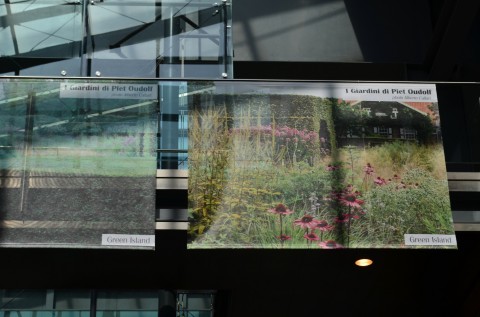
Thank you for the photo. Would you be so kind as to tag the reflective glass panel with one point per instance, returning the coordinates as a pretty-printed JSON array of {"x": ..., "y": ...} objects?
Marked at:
[
  {"x": 150, "y": 38},
  {"x": 127, "y": 304},
  {"x": 160, "y": 39},
  {"x": 51, "y": 28},
  {"x": 24, "y": 299},
  {"x": 104, "y": 303},
  {"x": 41, "y": 37},
  {"x": 78, "y": 163}
]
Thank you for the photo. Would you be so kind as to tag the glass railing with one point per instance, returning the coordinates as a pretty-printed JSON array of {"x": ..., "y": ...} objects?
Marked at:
[
  {"x": 78, "y": 168},
  {"x": 155, "y": 39},
  {"x": 457, "y": 104},
  {"x": 78, "y": 157}
]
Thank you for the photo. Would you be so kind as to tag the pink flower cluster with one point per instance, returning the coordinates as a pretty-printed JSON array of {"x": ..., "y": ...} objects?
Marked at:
[
  {"x": 380, "y": 181},
  {"x": 347, "y": 197},
  {"x": 310, "y": 224},
  {"x": 396, "y": 179},
  {"x": 368, "y": 169},
  {"x": 292, "y": 134},
  {"x": 284, "y": 133},
  {"x": 331, "y": 167},
  {"x": 280, "y": 209},
  {"x": 307, "y": 222}
]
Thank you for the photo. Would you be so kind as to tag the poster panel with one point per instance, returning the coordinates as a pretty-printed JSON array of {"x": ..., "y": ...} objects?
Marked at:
[
  {"x": 77, "y": 168},
  {"x": 317, "y": 166}
]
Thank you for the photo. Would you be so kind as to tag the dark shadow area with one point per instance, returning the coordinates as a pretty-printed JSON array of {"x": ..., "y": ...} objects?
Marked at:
[
  {"x": 391, "y": 32},
  {"x": 460, "y": 120},
  {"x": 318, "y": 71},
  {"x": 267, "y": 282}
]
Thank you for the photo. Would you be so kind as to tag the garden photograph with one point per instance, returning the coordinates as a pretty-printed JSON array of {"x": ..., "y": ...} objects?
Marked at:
[{"x": 297, "y": 171}]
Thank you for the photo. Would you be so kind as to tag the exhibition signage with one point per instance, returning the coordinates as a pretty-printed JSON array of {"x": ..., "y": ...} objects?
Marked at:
[
  {"x": 97, "y": 90},
  {"x": 317, "y": 166},
  {"x": 281, "y": 165},
  {"x": 78, "y": 163}
]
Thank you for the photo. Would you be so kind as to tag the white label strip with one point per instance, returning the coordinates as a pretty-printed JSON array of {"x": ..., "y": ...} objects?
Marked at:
[
  {"x": 108, "y": 91},
  {"x": 133, "y": 240},
  {"x": 430, "y": 239}
]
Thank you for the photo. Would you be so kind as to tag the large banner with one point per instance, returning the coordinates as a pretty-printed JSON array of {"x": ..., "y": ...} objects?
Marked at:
[
  {"x": 317, "y": 166},
  {"x": 77, "y": 163}
]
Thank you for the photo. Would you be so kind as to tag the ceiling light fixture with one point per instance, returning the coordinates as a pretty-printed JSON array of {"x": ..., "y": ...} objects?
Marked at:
[{"x": 363, "y": 262}]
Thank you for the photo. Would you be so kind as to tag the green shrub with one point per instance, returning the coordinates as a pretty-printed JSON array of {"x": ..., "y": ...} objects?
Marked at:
[{"x": 417, "y": 204}]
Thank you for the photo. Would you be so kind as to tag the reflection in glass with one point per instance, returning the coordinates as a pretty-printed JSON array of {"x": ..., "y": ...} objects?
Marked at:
[
  {"x": 41, "y": 28},
  {"x": 117, "y": 38},
  {"x": 76, "y": 168},
  {"x": 105, "y": 303}
]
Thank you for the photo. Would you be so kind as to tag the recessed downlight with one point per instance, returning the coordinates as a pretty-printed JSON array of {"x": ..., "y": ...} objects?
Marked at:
[{"x": 363, "y": 262}]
